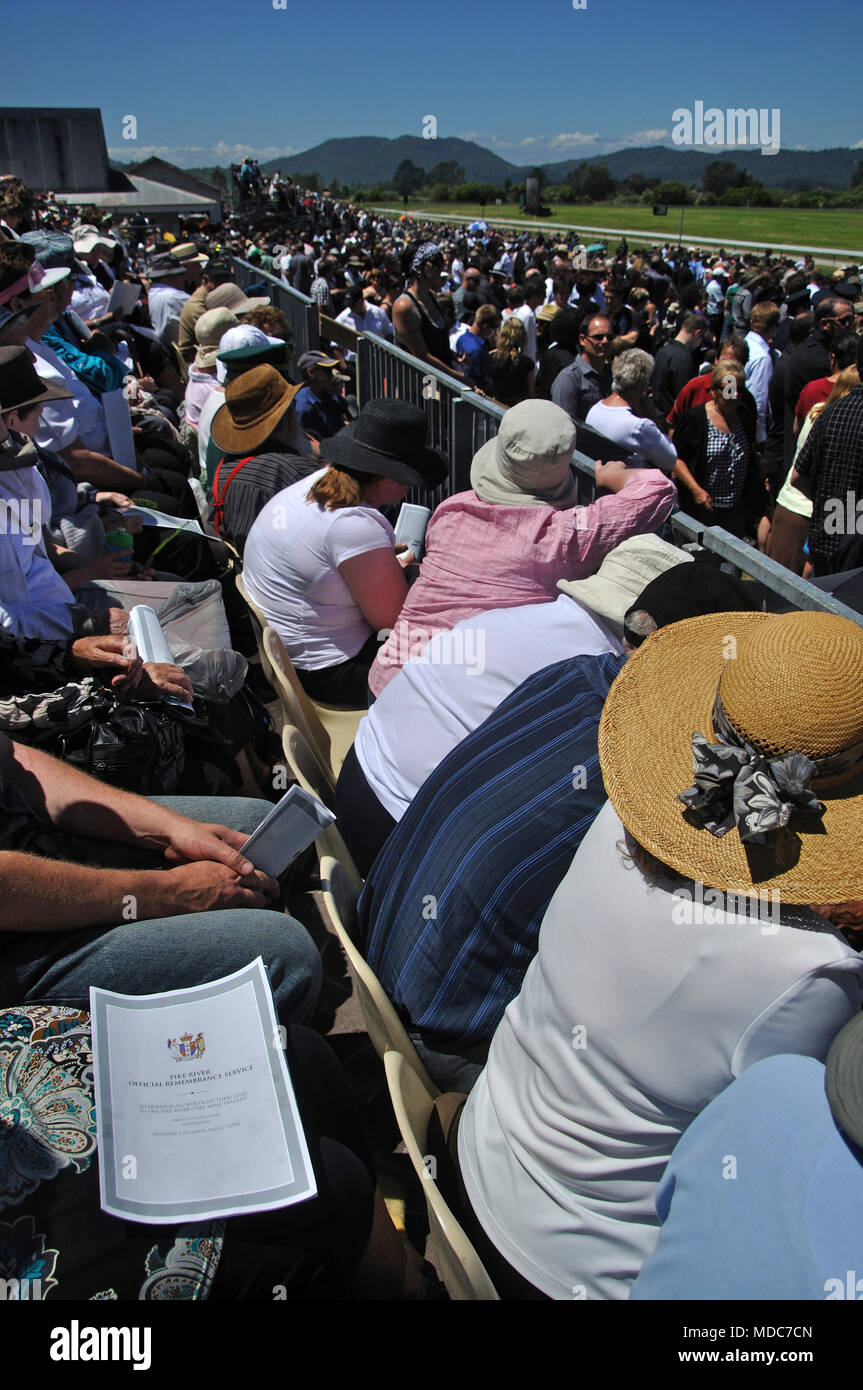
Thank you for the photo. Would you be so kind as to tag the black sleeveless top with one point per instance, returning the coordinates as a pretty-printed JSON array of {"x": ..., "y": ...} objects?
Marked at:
[{"x": 435, "y": 336}]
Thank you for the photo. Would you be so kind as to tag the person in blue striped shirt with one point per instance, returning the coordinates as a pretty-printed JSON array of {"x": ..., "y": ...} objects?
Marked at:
[{"x": 450, "y": 914}]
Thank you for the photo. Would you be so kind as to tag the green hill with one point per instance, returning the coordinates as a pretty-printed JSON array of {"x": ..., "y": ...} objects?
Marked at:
[
  {"x": 369, "y": 159},
  {"x": 795, "y": 170},
  {"x": 364, "y": 160}
]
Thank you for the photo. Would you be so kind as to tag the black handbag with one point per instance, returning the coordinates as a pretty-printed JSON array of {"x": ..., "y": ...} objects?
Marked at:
[
  {"x": 135, "y": 746},
  {"x": 153, "y": 748}
]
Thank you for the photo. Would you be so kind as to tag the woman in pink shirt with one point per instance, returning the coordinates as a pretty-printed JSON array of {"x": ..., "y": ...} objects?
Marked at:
[{"x": 519, "y": 530}]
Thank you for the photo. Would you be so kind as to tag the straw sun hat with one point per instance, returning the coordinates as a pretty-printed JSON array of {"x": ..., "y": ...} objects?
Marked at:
[{"x": 790, "y": 684}]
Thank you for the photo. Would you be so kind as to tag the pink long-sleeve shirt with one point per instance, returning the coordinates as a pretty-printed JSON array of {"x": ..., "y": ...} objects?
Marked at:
[{"x": 481, "y": 555}]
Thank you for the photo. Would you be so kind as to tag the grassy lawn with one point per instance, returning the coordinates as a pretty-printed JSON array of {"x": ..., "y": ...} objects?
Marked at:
[{"x": 840, "y": 227}]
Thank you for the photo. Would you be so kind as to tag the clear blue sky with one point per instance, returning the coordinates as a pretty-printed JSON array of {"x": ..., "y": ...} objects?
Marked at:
[{"x": 534, "y": 80}]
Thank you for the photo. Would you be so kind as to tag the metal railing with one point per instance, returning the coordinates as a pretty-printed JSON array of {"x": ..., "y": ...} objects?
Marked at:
[
  {"x": 300, "y": 311},
  {"x": 460, "y": 422},
  {"x": 779, "y": 583}
]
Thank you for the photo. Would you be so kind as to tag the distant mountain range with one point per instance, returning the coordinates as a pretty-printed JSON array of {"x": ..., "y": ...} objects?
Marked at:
[
  {"x": 368, "y": 159},
  {"x": 365, "y": 160}
]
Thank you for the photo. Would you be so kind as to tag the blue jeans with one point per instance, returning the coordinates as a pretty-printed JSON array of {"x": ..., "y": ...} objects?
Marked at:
[{"x": 169, "y": 952}]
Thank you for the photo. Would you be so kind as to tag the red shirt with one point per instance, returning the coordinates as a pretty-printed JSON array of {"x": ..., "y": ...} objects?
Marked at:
[
  {"x": 695, "y": 392},
  {"x": 813, "y": 392}
]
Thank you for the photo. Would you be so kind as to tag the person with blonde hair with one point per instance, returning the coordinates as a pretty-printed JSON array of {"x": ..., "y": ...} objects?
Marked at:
[
  {"x": 719, "y": 482},
  {"x": 513, "y": 375},
  {"x": 793, "y": 511}
]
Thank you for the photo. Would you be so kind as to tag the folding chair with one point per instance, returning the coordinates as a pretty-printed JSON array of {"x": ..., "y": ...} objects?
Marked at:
[
  {"x": 259, "y": 622},
  {"x": 180, "y": 363},
  {"x": 460, "y": 1267},
  {"x": 329, "y": 729},
  {"x": 383, "y": 1024}
]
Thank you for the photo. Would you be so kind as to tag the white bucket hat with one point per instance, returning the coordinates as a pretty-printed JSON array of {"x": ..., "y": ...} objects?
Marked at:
[
  {"x": 528, "y": 463},
  {"x": 621, "y": 578},
  {"x": 243, "y": 336}
]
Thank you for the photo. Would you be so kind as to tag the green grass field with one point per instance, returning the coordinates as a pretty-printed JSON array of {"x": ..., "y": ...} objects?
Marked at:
[{"x": 778, "y": 227}]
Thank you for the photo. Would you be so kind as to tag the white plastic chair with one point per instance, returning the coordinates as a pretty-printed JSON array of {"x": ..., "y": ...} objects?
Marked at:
[{"x": 460, "y": 1267}]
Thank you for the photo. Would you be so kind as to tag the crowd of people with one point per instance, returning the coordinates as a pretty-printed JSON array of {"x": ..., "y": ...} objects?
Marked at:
[{"x": 603, "y": 805}]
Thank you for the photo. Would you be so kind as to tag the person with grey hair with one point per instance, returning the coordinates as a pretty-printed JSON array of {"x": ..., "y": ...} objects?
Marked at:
[{"x": 622, "y": 415}]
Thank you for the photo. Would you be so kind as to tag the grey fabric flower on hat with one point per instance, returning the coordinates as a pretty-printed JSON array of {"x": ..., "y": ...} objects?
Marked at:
[{"x": 735, "y": 786}]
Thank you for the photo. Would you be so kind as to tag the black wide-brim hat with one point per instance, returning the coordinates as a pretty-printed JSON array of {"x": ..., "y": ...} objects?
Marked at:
[
  {"x": 20, "y": 383},
  {"x": 388, "y": 440}
]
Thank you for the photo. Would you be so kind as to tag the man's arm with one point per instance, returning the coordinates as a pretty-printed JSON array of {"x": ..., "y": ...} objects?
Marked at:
[
  {"x": 808, "y": 462},
  {"x": 81, "y": 805},
  {"x": 52, "y": 895},
  {"x": 101, "y": 471},
  {"x": 566, "y": 392}
]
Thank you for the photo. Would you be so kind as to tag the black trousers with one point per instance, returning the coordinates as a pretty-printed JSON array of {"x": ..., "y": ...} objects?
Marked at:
[
  {"x": 345, "y": 684},
  {"x": 364, "y": 823},
  {"x": 309, "y": 1250}
]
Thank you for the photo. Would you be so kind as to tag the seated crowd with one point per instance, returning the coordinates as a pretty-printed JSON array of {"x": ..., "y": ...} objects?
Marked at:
[{"x": 605, "y": 808}]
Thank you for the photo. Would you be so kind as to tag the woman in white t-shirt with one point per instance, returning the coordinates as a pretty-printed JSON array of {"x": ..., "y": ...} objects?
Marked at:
[
  {"x": 320, "y": 561},
  {"x": 672, "y": 956},
  {"x": 621, "y": 415}
]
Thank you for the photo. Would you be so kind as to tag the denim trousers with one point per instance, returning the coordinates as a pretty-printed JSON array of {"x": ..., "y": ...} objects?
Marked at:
[{"x": 166, "y": 953}]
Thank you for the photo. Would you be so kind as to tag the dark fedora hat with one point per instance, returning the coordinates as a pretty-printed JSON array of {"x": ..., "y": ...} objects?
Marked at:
[
  {"x": 165, "y": 266},
  {"x": 20, "y": 383},
  {"x": 388, "y": 440}
]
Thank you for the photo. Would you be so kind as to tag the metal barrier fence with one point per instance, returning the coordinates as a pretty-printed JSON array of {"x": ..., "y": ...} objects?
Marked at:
[
  {"x": 460, "y": 422},
  {"x": 300, "y": 311}
]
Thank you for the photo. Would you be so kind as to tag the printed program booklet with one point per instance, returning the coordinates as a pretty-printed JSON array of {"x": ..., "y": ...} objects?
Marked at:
[
  {"x": 144, "y": 631},
  {"x": 195, "y": 1109},
  {"x": 411, "y": 526},
  {"x": 294, "y": 822}
]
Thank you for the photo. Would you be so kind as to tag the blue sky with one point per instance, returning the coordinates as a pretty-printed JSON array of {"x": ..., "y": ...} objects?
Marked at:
[{"x": 535, "y": 80}]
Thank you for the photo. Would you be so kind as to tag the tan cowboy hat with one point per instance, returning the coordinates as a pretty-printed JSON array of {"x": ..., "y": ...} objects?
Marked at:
[
  {"x": 254, "y": 405},
  {"x": 528, "y": 463},
  {"x": 779, "y": 684}
]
